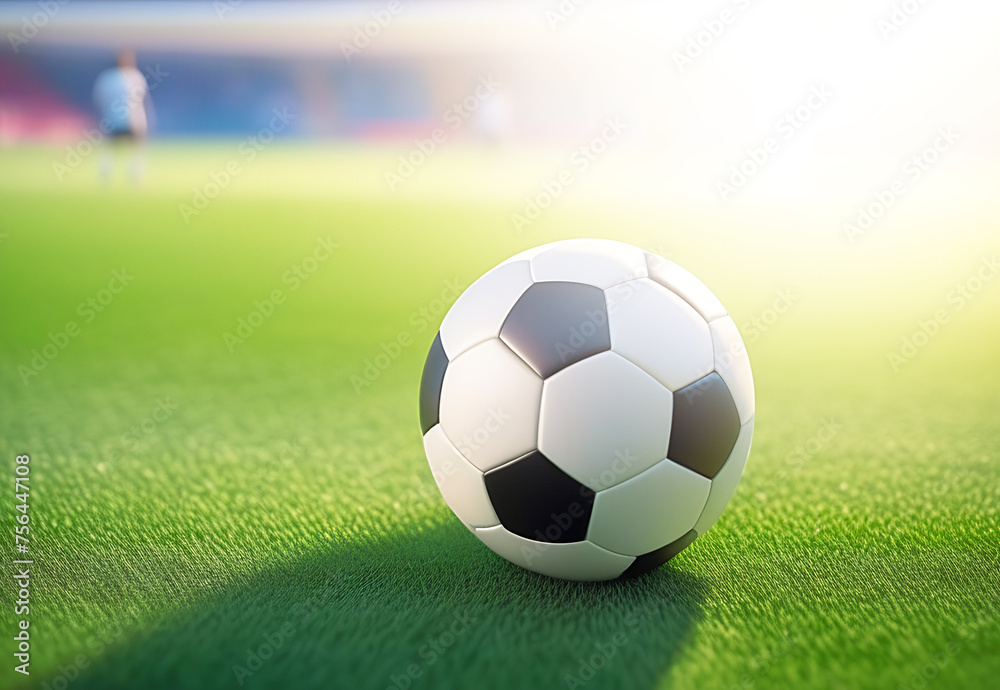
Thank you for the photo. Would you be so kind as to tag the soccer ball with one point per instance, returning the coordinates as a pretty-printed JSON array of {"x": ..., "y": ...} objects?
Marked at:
[{"x": 587, "y": 409}]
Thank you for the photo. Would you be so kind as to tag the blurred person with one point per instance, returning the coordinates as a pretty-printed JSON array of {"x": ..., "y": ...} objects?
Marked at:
[
  {"x": 494, "y": 117},
  {"x": 122, "y": 98}
]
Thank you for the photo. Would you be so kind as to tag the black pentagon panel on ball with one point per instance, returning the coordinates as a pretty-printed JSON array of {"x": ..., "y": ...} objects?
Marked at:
[
  {"x": 557, "y": 324},
  {"x": 654, "y": 559},
  {"x": 536, "y": 500},
  {"x": 430, "y": 385},
  {"x": 705, "y": 426}
]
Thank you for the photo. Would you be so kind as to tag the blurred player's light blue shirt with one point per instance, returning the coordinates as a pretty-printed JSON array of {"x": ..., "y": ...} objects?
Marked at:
[{"x": 120, "y": 95}]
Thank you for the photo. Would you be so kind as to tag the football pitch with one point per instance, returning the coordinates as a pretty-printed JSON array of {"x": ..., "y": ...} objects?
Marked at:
[{"x": 228, "y": 486}]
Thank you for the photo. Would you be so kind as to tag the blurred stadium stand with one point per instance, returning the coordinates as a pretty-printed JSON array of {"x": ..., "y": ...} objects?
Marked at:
[{"x": 228, "y": 64}]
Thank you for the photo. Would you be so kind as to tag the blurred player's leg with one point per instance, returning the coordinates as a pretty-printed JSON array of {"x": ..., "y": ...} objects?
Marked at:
[
  {"x": 137, "y": 162},
  {"x": 106, "y": 165}
]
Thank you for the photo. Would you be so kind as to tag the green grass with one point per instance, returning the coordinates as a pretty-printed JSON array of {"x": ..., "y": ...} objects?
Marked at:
[{"x": 276, "y": 496}]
